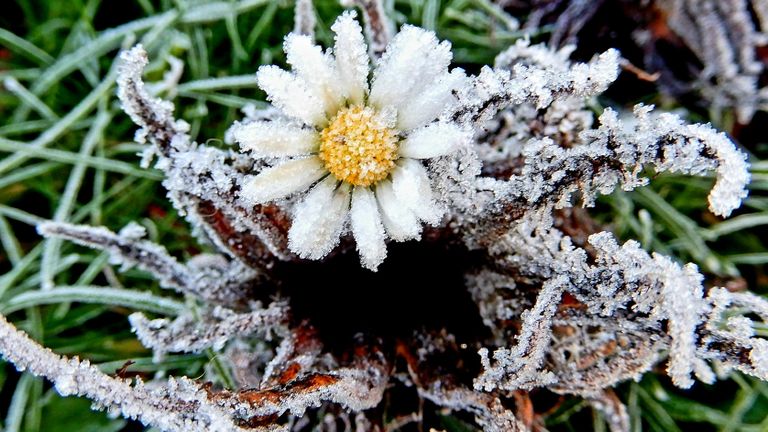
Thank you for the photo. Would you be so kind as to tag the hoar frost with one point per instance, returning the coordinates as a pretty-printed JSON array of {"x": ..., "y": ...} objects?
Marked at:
[{"x": 491, "y": 162}]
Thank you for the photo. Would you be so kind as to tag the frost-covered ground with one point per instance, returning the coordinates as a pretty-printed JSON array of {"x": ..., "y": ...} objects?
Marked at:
[{"x": 397, "y": 216}]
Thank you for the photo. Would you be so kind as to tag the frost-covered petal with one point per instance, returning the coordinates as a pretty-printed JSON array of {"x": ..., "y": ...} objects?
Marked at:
[
  {"x": 284, "y": 179},
  {"x": 315, "y": 68},
  {"x": 436, "y": 139},
  {"x": 291, "y": 94},
  {"x": 351, "y": 57},
  {"x": 275, "y": 139},
  {"x": 400, "y": 222},
  {"x": 413, "y": 60},
  {"x": 410, "y": 182},
  {"x": 367, "y": 228},
  {"x": 431, "y": 102},
  {"x": 319, "y": 219}
]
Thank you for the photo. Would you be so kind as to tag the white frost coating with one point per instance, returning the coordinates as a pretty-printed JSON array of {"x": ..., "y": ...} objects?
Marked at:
[
  {"x": 319, "y": 219},
  {"x": 316, "y": 69},
  {"x": 617, "y": 152},
  {"x": 681, "y": 297},
  {"x": 410, "y": 183},
  {"x": 400, "y": 222},
  {"x": 583, "y": 80},
  {"x": 541, "y": 55},
  {"x": 351, "y": 57},
  {"x": 282, "y": 180},
  {"x": 436, "y": 139},
  {"x": 276, "y": 138},
  {"x": 179, "y": 405},
  {"x": 729, "y": 329},
  {"x": 291, "y": 94},
  {"x": 731, "y": 167},
  {"x": 367, "y": 228},
  {"x": 647, "y": 304},
  {"x": 188, "y": 333},
  {"x": 428, "y": 105},
  {"x": 216, "y": 281},
  {"x": 732, "y": 171},
  {"x": 518, "y": 367},
  {"x": 589, "y": 320},
  {"x": 413, "y": 60},
  {"x": 132, "y": 64},
  {"x": 540, "y": 86}
]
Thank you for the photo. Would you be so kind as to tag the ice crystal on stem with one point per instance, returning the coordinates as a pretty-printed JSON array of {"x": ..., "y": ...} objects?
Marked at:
[
  {"x": 190, "y": 334},
  {"x": 178, "y": 405}
]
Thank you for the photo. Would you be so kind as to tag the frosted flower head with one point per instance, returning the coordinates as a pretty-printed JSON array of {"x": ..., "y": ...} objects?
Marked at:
[{"x": 357, "y": 149}]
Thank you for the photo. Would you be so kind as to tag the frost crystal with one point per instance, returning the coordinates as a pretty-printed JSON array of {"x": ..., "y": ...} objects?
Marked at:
[
  {"x": 178, "y": 405},
  {"x": 493, "y": 164},
  {"x": 190, "y": 334}
]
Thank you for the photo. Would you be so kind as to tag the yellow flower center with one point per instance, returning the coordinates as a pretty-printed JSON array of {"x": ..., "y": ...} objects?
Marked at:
[{"x": 357, "y": 148}]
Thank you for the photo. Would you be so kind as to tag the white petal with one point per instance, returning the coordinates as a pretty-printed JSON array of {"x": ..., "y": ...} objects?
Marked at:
[
  {"x": 410, "y": 182},
  {"x": 316, "y": 69},
  {"x": 431, "y": 102},
  {"x": 436, "y": 139},
  {"x": 351, "y": 57},
  {"x": 276, "y": 138},
  {"x": 319, "y": 219},
  {"x": 400, "y": 222},
  {"x": 367, "y": 228},
  {"x": 411, "y": 63},
  {"x": 284, "y": 179},
  {"x": 291, "y": 94}
]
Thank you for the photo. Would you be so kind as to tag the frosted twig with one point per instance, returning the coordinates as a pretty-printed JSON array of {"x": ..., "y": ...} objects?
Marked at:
[
  {"x": 127, "y": 248},
  {"x": 179, "y": 405},
  {"x": 496, "y": 89},
  {"x": 729, "y": 335},
  {"x": 656, "y": 288},
  {"x": 357, "y": 387},
  {"x": 518, "y": 367},
  {"x": 153, "y": 115},
  {"x": 214, "y": 330},
  {"x": 489, "y": 412},
  {"x": 616, "y": 153},
  {"x": 201, "y": 181}
]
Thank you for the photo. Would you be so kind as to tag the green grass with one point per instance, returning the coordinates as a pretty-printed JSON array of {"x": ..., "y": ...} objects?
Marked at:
[{"x": 66, "y": 153}]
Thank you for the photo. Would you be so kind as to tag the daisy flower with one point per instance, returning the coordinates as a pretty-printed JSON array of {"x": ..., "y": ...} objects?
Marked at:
[{"x": 357, "y": 149}]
